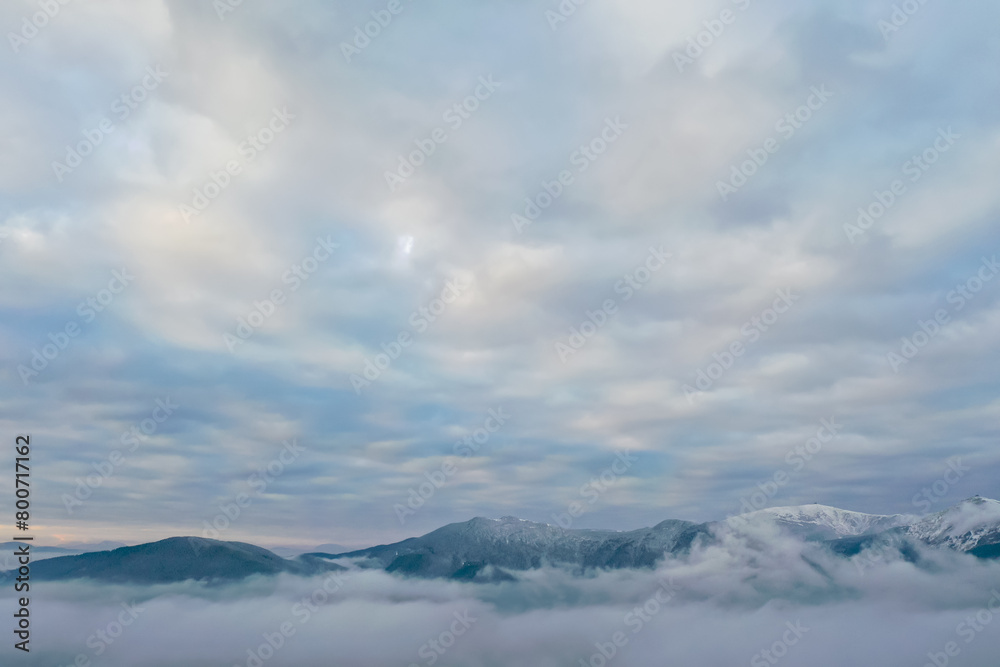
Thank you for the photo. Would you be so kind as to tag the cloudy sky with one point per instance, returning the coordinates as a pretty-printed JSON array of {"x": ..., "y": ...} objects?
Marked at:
[{"x": 215, "y": 219}]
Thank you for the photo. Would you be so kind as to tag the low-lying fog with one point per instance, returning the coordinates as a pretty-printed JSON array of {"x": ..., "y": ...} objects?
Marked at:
[{"x": 733, "y": 604}]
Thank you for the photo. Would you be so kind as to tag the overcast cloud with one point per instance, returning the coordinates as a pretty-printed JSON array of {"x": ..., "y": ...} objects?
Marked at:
[{"x": 198, "y": 85}]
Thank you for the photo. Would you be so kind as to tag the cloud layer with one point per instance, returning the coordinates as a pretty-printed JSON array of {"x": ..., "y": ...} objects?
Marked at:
[
  {"x": 218, "y": 216},
  {"x": 722, "y": 606}
]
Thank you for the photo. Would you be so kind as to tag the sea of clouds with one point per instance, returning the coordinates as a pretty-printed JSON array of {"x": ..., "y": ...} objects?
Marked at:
[{"x": 755, "y": 599}]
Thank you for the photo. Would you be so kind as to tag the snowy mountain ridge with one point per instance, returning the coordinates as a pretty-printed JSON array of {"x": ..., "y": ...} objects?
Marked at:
[
  {"x": 824, "y": 522},
  {"x": 971, "y": 523},
  {"x": 491, "y": 550}
]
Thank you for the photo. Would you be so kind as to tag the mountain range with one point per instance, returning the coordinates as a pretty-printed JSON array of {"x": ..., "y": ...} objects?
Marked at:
[
  {"x": 176, "y": 559},
  {"x": 493, "y": 550}
]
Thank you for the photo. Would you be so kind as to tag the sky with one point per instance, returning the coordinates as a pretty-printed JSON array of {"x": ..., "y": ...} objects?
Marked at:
[{"x": 266, "y": 274}]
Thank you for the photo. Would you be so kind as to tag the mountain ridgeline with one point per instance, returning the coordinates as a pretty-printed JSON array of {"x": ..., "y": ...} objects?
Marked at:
[
  {"x": 176, "y": 559},
  {"x": 487, "y": 549},
  {"x": 494, "y": 550}
]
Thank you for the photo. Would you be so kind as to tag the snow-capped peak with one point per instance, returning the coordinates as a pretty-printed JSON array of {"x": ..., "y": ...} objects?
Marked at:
[
  {"x": 964, "y": 526},
  {"x": 824, "y": 522}
]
